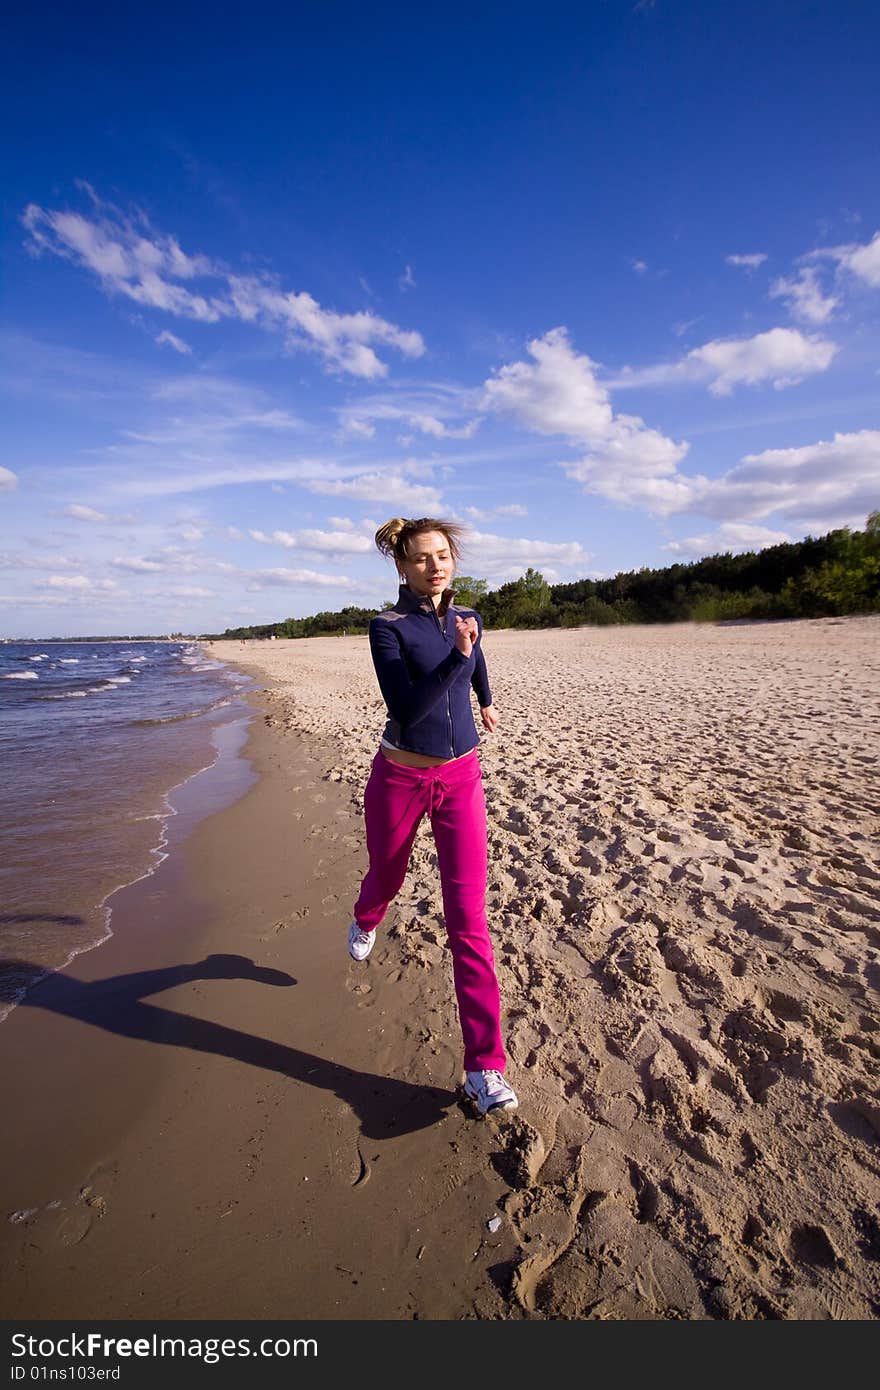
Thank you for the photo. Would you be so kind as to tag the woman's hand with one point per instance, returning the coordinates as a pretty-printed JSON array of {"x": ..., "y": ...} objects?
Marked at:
[
  {"x": 466, "y": 634},
  {"x": 490, "y": 718}
]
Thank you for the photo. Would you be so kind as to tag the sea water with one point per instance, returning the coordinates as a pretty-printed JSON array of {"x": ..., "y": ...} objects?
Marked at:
[{"x": 94, "y": 736}]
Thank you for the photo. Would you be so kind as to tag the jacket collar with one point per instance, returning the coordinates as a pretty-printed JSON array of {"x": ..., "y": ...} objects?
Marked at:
[{"x": 410, "y": 602}]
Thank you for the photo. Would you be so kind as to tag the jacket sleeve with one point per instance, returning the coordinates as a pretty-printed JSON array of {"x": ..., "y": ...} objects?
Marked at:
[
  {"x": 480, "y": 677},
  {"x": 407, "y": 700}
]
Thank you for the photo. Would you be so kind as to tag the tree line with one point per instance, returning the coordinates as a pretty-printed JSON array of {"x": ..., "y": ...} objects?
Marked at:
[{"x": 823, "y": 576}]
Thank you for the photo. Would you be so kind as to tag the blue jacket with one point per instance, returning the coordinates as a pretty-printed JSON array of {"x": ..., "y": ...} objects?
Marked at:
[{"x": 425, "y": 680}]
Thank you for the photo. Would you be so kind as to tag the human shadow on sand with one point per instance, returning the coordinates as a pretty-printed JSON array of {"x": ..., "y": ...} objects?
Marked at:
[{"x": 384, "y": 1105}]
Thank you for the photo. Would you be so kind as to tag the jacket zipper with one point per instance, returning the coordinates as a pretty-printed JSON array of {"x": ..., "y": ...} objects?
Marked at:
[{"x": 445, "y": 636}]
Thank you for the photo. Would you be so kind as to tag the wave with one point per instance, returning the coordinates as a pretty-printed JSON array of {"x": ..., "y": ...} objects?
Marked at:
[
  {"x": 177, "y": 718},
  {"x": 22, "y": 676},
  {"x": 77, "y": 694}
]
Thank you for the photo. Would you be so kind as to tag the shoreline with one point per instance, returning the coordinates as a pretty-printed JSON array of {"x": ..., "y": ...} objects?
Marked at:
[{"x": 220, "y": 781}]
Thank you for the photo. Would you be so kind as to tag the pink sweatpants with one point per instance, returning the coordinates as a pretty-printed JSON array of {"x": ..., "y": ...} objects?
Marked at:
[{"x": 451, "y": 794}]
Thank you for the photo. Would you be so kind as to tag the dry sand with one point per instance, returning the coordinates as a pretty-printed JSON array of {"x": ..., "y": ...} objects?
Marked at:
[
  {"x": 683, "y": 894},
  {"x": 217, "y": 1114}
]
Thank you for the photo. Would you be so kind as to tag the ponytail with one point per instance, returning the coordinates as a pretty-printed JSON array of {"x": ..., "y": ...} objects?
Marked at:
[
  {"x": 387, "y": 536},
  {"x": 393, "y": 538}
]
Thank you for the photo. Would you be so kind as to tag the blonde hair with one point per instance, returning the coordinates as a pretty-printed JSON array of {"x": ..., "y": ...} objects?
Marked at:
[{"x": 394, "y": 537}]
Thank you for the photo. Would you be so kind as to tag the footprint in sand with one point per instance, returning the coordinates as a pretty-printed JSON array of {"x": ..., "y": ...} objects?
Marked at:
[{"x": 74, "y": 1227}]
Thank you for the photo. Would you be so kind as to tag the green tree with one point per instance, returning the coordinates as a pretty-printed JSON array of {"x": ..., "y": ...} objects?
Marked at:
[{"x": 469, "y": 593}]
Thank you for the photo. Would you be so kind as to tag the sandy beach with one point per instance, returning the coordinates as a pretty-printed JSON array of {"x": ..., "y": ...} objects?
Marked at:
[{"x": 220, "y": 1115}]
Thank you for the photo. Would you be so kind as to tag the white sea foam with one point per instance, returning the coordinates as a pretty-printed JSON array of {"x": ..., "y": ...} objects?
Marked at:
[
  {"x": 119, "y": 680},
  {"x": 68, "y": 660},
  {"x": 42, "y": 657},
  {"x": 22, "y": 676}
]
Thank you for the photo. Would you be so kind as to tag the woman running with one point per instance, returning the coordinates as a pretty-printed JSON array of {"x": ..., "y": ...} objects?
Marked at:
[{"x": 427, "y": 656}]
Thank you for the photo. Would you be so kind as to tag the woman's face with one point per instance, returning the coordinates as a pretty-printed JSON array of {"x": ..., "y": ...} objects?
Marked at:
[{"x": 429, "y": 567}]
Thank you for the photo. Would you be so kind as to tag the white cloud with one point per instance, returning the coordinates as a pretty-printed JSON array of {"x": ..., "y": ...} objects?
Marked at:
[
  {"x": 503, "y": 557},
  {"x": 804, "y": 296},
  {"x": 126, "y": 260},
  {"x": 390, "y": 487},
  {"x": 343, "y": 542},
  {"x": 8, "y": 480},
  {"x": 77, "y": 583},
  {"x": 781, "y": 356},
  {"x": 333, "y": 542},
  {"x": 556, "y": 393},
  {"x": 173, "y": 341},
  {"x": 131, "y": 259},
  {"x": 306, "y": 578},
  {"x": 18, "y": 560},
  {"x": 341, "y": 339},
  {"x": 830, "y": 483},
  {"x": 36, "y": 600},
  {"x": 429, "y": 424},
  {"x": 813, "y": 488},
  {"x": 407, "y": 279},
  {"x": 170, "y": 482},
  {"x": 485, "y": 514},
  {"x": 732, "y": 536},
  {"x": 438, "y": 411},
  {"x": 361, "y": 429},
  {"x": 862, "y": 261},
  {"x": 137, "y": 564},
  {"x": 193, "y": 592},
  {"x": 559, "y": 394},
  {"x": 659, "y": 492},
  {"x": 640, "y": 267},
  {"x": 80, "y": 513},
  {"x": 747, "y": 262},
  {"x": 277, "y": 538}
]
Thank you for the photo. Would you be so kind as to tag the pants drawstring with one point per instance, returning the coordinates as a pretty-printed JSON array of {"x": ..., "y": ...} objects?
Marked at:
[
  {"x": 436, "y": 795},
  {"x": 437, "y": 791}
]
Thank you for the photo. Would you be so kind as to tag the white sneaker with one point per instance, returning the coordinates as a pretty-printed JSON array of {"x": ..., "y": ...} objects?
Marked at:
[
  {"x": 490, "y": 1091},
  {"x": 360, "y": 943}
]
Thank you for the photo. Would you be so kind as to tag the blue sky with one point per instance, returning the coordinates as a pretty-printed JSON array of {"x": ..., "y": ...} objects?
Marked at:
[{"x": 600, "y": 280}]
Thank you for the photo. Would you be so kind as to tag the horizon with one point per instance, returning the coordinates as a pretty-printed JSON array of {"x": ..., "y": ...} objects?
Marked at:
[{"x": 605, "y": 288}]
